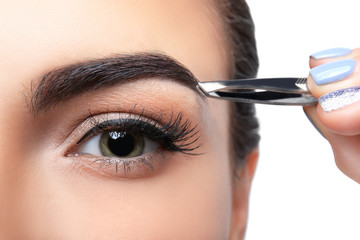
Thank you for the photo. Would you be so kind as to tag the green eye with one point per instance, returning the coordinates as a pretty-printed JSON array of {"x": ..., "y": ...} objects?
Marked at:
[{"x": 121, "y": 144}]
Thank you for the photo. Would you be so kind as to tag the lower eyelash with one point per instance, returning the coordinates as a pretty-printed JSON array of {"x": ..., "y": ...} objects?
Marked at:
[
  {"x": 131, "y": 167},
  {"x": 126, "y": 163}
]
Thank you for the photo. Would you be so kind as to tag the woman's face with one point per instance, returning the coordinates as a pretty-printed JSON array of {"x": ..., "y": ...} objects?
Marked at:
[{"x": 112, "y": 160}]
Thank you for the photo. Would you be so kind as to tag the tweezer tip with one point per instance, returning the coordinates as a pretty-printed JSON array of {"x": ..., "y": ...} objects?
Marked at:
[
  {"x": 208, "y": 87},
  {"x": 201, "y": 89},
  {"x": 302, "y": 84}
]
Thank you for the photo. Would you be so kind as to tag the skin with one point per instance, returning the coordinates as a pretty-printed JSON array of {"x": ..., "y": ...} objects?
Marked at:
[
  {"x": 340, "y": 127},
  {"x": 45, "y": 195}
]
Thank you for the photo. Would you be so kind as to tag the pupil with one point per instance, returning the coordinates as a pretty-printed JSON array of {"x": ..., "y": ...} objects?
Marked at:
[{"x": 121, "y": 143}]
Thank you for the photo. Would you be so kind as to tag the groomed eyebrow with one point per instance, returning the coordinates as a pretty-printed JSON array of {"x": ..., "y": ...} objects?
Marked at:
[{"x": 73, "y": 80}]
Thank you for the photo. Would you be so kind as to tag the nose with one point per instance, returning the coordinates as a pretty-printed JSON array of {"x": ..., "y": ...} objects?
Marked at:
[{"x": 11, "y": 156}]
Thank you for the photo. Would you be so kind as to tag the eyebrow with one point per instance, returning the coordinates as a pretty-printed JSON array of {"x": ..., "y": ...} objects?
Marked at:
[{"x": 62, "y": 84}]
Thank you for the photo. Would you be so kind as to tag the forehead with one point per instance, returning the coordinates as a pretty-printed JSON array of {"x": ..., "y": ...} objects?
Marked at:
[{"x": 40, "y": 35}]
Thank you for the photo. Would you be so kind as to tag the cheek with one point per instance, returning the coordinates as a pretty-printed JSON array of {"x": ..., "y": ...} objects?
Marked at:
[{"x": 191, "y": 202}]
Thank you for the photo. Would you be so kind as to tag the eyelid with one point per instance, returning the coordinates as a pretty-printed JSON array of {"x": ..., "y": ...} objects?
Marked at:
[
  {"x": 105, "y": 121},
  {"x": 90, "y": 120}
]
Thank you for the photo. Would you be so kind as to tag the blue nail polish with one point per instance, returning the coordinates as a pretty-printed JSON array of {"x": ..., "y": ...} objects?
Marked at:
[
  {"x": 333, "y": 71},
  {"x": 333, "y": 52}
]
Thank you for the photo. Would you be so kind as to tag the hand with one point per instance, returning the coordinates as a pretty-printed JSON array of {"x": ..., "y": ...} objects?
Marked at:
[{"x": 335, "y": 80}]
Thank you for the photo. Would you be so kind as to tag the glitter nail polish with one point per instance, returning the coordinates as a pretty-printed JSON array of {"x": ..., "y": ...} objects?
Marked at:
[{"x": 340, "y": 98}]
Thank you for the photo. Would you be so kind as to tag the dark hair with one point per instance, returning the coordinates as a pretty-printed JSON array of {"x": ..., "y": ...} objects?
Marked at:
[{"x": 241, "y": 31}]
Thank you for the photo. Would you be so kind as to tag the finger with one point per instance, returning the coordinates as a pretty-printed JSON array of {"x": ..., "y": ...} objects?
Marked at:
[
  {"x": 346, "y": 152},
  {"x": 345, "y": 148},
  {"x": 340, "y": 126},
  {"x": 336, "y": 83},
  {"x": 325, "y": 56}
]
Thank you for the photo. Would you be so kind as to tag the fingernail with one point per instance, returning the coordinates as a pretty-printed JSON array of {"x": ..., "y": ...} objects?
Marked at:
[
  {"x": 333, "y": 52},
  {"x": 333, "y": 71},
  {"x": 340, "y": 99}
]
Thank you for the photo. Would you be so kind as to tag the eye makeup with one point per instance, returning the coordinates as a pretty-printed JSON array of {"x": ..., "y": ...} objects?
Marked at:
[{"x": 133, "y": 146}]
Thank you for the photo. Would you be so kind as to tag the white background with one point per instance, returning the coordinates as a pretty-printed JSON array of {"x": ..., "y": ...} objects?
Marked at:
[{"x": 298, "y": 192}]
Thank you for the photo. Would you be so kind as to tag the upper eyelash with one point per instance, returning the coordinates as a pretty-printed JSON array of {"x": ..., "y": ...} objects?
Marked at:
[{"x": 173, "y": 135}]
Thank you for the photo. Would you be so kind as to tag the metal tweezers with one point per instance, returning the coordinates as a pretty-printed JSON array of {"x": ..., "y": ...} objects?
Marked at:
[{"x": 275, "y": 91}]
